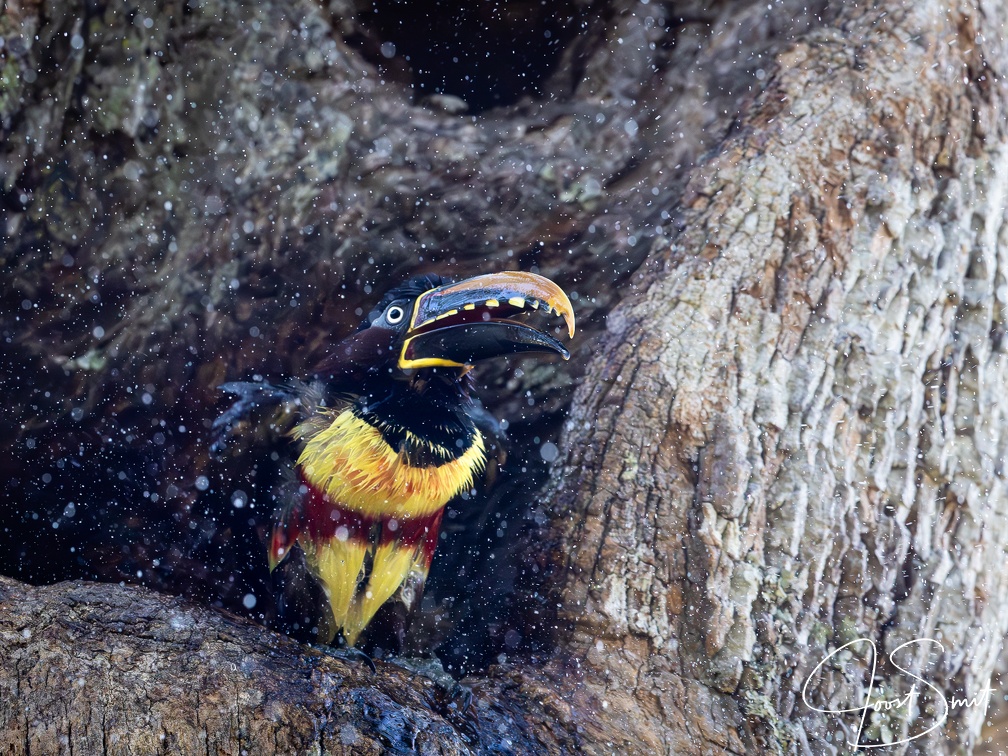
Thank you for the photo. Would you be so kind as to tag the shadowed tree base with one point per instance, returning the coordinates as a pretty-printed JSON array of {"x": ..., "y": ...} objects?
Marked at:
[{"x": 92, "y": 668}]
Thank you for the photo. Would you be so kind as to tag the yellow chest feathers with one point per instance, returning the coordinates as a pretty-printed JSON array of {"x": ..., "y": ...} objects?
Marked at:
[{"x": 382, "y": 470}]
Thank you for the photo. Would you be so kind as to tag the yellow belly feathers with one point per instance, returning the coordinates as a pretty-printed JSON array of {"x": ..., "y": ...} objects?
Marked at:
[
  {"x": 350, "y": 462},
  {"x": 353, "y": 465}
]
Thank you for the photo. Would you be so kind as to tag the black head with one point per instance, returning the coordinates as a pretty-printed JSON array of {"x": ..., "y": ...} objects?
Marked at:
[
  {"x": 429, "y": 322},
  {"x": 403, "y": 295}
]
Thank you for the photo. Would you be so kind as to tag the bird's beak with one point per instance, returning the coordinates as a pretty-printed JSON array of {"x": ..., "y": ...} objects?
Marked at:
[{"x": 461, "y": 323}]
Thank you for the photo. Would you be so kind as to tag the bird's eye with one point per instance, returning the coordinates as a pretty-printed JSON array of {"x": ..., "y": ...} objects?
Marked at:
[{"x": 394, "y": 314}]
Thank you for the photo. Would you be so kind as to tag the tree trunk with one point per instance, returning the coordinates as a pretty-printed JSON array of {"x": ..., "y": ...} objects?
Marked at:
[{"x": 780, "y": 433}]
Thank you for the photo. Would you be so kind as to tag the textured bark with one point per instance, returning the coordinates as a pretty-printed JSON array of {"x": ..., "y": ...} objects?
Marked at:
[
  {"x": 797, "y": 436},
  {"x": 93, "y": 670},
  {"x": 785, "y": 433}
]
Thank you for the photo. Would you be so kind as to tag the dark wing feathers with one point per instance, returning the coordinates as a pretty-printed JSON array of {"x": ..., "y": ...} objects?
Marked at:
[{"x": 288, "y": 405}]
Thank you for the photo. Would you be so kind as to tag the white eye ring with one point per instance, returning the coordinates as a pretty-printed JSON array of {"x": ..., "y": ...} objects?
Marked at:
[{"x": 394, "y": 314}]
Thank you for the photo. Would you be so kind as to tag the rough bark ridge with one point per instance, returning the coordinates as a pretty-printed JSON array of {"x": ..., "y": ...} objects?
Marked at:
[
  {"x": 92, "y": 670},
  {"x": 796, "y": 440},
  {"x": 788, "y": 439}
]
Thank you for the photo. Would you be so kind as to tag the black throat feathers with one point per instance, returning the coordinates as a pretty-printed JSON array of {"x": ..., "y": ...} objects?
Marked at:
[{"x": 426, "y": 421}]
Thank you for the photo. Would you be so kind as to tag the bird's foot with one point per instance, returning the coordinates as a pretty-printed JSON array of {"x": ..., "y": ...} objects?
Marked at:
[
  {"x": 349, "y": 653},
  {"x": 458, "y": 697},
  {"x": 429, "y": 667}
]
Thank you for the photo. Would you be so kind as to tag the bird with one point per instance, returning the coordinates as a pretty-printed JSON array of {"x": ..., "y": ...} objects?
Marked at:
[{"x": 388, "y": 432}]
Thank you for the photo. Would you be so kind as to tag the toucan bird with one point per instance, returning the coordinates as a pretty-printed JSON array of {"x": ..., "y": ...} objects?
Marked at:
[{"x": 387, "y": 433}]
